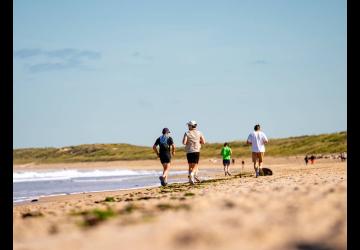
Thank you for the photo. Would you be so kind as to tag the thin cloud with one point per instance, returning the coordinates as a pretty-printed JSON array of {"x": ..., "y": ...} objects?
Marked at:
[
  {"x": 73, "y": 53},
  {"x": 52, "y": 66},
  {"x": 260, "y": 62},
  {"x": 25, "y": 53},
  {"x": 138, "y": 55},
  {"x": 145, "y": 103},
  {"x": 65, "y": 58}
]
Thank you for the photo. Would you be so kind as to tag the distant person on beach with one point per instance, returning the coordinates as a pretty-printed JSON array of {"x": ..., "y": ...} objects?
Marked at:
[
  {"x": 306, "y": 159},
  {"x": 343, "y": 156},
  {"x": 312, "y": 159},
  {"x": 226, "y": 155},
  {"x": 165, "y": 143},
  {"x": 257, "y": 139},
  {"x": 192, "y": 140},
  {"x": 242, "y": 167}
]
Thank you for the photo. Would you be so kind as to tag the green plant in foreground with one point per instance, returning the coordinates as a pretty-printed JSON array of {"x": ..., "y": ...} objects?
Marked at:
[
  {"x": 93, "y": 217},
  {"x": 109, "y": 199}
]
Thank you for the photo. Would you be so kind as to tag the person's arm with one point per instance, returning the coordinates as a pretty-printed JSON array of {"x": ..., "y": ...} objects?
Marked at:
[
  {"x": 202, "y": 139},
  {"x": 248, "y": 141},
  {"x": 155, "y": 150},
  {"x": 184, "y": 141},
  {"x": 265, "y": 139},
  {"x": 173, "y": 149}
]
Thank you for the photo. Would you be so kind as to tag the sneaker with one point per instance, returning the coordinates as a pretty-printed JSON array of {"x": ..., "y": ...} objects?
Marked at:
[
  {"x": 162, "y": 181},
  {"x": 197, "y": 178},
  {"x": 257, "y": 173},
  {"x": 191, "y": 179}
]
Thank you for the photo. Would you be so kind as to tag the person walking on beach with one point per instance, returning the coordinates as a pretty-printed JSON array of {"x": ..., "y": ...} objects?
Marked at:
[
  {"x": 165, "y": 142},
  {"x": 312, "y": 159},
  {"x": 306, "y": 159},
  {"x": 257, "y": 139},
  {"x": 226, "y": 155},
  {"x": 192, "y": 140}
]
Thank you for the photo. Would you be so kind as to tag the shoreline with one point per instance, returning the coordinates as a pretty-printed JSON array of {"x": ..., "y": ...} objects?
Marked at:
[
  {"x": 209, "y": 166},
  {"x": 148, "y": 164}
]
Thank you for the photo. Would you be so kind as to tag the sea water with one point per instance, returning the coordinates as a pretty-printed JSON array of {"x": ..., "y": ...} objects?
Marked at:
[{"x": 28, "y": 185}]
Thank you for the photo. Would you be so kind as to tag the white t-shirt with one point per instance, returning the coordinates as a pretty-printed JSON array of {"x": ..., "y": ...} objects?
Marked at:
[{"x": 257, "y": 139}]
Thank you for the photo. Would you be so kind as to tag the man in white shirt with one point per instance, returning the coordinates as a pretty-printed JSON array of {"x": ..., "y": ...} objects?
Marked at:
[{"x": 257, "y": 139}]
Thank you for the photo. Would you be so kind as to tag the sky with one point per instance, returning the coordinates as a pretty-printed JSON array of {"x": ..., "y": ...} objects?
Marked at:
[{"x": 91, "y": 71}]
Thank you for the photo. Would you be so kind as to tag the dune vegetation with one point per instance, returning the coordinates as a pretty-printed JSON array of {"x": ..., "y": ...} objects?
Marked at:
[{"x": 291, "y": 146}]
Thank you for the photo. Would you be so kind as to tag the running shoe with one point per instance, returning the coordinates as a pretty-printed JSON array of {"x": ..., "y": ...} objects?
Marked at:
[
  {"x": 162, "y": 181},
  {"x": 191, "y": 179},
  {"x": 197, "y": 179}
]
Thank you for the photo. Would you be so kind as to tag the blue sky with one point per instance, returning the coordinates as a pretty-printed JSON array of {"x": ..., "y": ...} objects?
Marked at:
[{"x": 91, "y": 71}]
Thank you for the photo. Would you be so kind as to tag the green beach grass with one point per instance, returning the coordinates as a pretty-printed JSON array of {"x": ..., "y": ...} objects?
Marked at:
[{"x": 291, "y": 146}]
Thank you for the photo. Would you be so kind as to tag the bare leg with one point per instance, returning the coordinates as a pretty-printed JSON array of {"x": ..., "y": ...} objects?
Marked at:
[
  {"x": 166, "y": 167},
  {"x": 255, "y": 166},
  {"x": 196, "y": 170},
  {"x": 228, "y": 169},
  {"x": 191, "y": 172}
]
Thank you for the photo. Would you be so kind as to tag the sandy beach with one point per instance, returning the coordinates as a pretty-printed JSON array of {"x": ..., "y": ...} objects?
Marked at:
[{"x": 298, "y": 207}]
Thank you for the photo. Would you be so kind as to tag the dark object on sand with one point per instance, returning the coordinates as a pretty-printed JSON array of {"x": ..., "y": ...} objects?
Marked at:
[
  {"x": 31, "y": 214},
  {"x": 34, "y": 200},
  {"x": 265, "y": 171}
]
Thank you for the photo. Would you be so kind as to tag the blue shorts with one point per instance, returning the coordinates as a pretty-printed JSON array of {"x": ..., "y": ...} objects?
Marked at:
[{"x": 226, "y": 162}]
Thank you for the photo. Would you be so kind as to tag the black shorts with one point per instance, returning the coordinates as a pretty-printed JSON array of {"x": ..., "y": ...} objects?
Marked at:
[
  {"x": 193, "y": 157},
  {"x": 165, "y": 158},
  {"x": 226, "y": 162}
]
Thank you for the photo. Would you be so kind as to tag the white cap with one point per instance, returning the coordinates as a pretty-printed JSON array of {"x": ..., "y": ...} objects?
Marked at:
[{"x": 192, "y": 123}]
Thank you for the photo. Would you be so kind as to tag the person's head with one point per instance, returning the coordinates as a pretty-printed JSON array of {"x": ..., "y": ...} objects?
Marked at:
[
  {"x": 191, "y": 125},
  {"x": 257, "y": 127},
  {"x": 226, "y": 144},
  {"x": 165, "y": 131}
]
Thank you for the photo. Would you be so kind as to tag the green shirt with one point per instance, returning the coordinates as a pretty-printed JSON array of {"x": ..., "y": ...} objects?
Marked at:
[{"x": 226, "y": 153}]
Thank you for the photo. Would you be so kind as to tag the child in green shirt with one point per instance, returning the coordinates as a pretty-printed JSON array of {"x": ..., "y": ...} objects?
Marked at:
[{"x": 226, "y": 155}]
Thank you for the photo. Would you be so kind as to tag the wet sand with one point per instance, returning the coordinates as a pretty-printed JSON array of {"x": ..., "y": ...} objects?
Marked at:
[{"x": 299, "y": 207}]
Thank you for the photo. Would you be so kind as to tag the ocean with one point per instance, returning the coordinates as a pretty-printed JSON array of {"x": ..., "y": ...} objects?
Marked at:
[{"x": 29, "y": 185}]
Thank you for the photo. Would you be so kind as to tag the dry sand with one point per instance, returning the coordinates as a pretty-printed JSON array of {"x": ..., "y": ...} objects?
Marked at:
[{"x": 299, "y": 207}]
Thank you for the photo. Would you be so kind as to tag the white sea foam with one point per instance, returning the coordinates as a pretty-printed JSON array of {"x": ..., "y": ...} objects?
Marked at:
[{"x": 72, "y": 174}]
